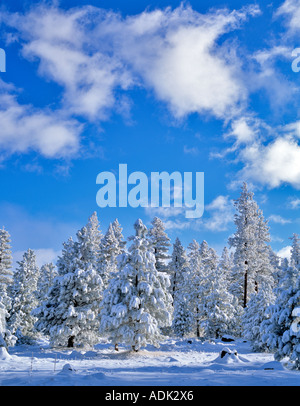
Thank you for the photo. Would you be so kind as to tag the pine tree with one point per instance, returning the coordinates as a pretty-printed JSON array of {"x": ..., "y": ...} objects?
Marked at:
[
  {"x": 264, "y": 269},
  {"x": 136, "y": 305},
  {"x": 119, "y": 236},
  {"x": 255, "y": 314},
  {"x": 244, "y": 242},
  {"x": 161, "y": 243},
  {"x": 109, "y": 250},
  {"x": 218, "y": 307},
  {"x": 70, "y": 315},
  {"x": 48, "y": 273},
  {"x": 194, "y": 283},
  {"x": 226, "y": 266},
  {"x": 88, "y": 243},
  {"x": 24, "y": 298},
  {"x": 178, "y": 265},
  {"x": 6, "y": 274},
  {"x": 277, "y": 331},
  {"x": 65, "y": 261}
]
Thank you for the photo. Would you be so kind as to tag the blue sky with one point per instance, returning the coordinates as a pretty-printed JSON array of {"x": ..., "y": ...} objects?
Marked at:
[{"x": 160, "y": 86}]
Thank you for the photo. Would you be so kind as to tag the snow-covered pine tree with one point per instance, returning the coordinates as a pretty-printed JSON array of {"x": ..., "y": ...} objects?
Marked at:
[
  {"x": 24, "y": 298},
  {"x": 256, "y": 313},
  {"x": 161, "y": 244},
  {"x": 217, "y": 304},
  {"x": 218, "y": 308},
  {"x": 6, "y": 274},
  {"x": 70, "y": 315},
  {"x": 107, "y": 259},
  {"x": 194, "y": 283},
  {"x": 295, "y": 251},
  {"x": 88, "y": 243},
  {"x": 7, "y": 339},
  {"x": 244, "y": 243},
  {"x": 119, "y": 236},
  {"x": 275, "y": 261},
  {"x": 48, "y": 273},
  {"x": 262, "y": 297},
  {"x": 179, "y": 269},
  {"x": 136, "y": 304},
  {"x": 277, "y": 331},
  {"x": 226, "y": 266},
  {"x": 264, "y": 269},
  {"x": 178, "y": 265},
  {"x": 65, "y": 262}
]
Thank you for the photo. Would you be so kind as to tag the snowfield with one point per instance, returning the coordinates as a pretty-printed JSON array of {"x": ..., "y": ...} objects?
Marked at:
[{"x": 181, "y": 362}]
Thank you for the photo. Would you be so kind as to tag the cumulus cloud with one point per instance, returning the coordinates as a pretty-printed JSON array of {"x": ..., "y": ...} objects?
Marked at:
[
  {"x": 25, "y": 128},
  {"x": 93, "y": 53},
  {"x": 273, "y": 164},
  {"x": 290, "y": 11}
]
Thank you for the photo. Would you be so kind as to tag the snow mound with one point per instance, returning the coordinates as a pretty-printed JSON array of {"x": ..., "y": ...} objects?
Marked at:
[
  {"x": 67, "y": 369},
  {"x": 227, "y": 356},
  {"x": 227, "y": 338},
  {"x": 273, "y": 366},
  {"x": 4, "y": 355}
]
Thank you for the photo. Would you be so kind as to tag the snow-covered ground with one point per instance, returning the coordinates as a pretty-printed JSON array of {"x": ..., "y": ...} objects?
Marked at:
[{"x": 175, "y": 363}]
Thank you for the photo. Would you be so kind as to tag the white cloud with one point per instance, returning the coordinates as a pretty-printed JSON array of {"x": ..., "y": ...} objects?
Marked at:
[
  {"x": 24, "y": 128},
  {"x": 191, "y": 150},
  {"x": 242, "y": 131},
  {"x": 178, "y": 57},
  {"x": 274, "y": 164},
  {"x": 294, "y": 203},
  {"x": 285, "y": 252},
  {"x": 69, "y": 54},
  {"x": 290, "y": 10},
  {"x": 278, "y": 219},
  {"x": 93, "y": 53},
  {"x": 222, "y": 214}
]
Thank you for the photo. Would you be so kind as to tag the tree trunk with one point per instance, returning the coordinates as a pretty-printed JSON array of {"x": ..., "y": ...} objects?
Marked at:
[
  {"x": 71, "y": 341},
  {"x": 198, "y": 327},
  {"x": 245, "y": 286}
]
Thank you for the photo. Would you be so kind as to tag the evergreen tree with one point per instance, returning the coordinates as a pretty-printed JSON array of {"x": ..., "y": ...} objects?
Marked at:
[
  {"x": 277, "y": 331},
  {"x": 218, "y": 308},
  {"x": 70, "y": 315},
  {"x": 65, "y": 261},
  {"x": 119, "y": 236},
  {"x": 194, "y": 281},
  {"x": 226, "y": 266},
  {"x": 245, "y": 243},
  {"x": 88, "y": 244},
  {"x": 6, "y": 274},
  {"x": 178, "y": 265},
  {"x": 48, "y": 273},
  {"x": 109, "y": 250},
  {"x": 136, "y": 305},
  {"x": 161, "y": 243},
  {"x": 256, "y": 313},
  {"x": 264, "y": 269},
  {"x": 24, "y": 298}
]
